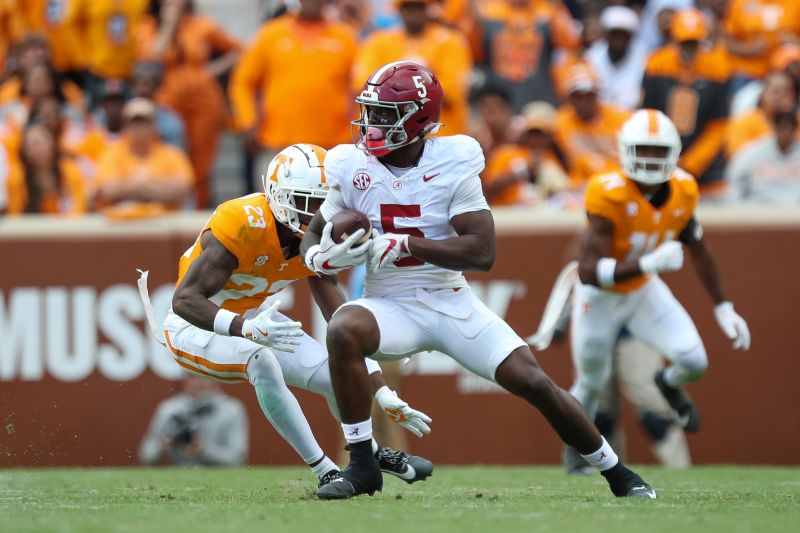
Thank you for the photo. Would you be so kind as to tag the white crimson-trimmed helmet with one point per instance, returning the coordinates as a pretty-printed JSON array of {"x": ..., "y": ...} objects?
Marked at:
[
  {"x": 294, "y": 177},
  {"x": 649, "y": 127}
]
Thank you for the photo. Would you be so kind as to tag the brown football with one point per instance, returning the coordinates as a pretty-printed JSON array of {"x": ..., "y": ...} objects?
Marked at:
[{"x": 348, "y": 221}]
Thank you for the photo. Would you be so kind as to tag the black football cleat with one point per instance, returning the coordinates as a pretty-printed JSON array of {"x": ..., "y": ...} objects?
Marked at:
[
  {"x": 683, "y": 408},
  {"x": 625, "y": 483},
  {"x": 329, "y": 477},
  {"x": 642, "y": 491},
  {"x": 574, "y": 464},
  {"x": 362, "y": 476},
  {"x": 409, "y": 468}
]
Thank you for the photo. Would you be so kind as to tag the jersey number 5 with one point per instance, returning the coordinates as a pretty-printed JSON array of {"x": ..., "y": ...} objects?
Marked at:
[{"x": 391, "y": 211}]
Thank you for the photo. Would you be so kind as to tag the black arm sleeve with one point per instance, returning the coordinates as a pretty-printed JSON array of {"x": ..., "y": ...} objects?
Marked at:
[{"x": 692, "y": 233}]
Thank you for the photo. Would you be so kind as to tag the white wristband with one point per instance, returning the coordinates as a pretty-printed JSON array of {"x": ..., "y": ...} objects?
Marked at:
[
  {"x": 605, "y": 272},
  {"x": 310, "y": 253},
  {"x": 222, "y": 322}
]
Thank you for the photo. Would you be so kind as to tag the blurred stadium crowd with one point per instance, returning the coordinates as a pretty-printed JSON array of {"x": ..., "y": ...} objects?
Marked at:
[{"x": 120, "y": 106}]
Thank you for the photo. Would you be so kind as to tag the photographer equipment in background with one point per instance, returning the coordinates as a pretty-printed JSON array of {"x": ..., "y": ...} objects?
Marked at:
[{"x": 198, "y": 426}]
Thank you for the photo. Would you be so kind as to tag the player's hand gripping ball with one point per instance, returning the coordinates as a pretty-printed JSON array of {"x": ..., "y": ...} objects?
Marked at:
[
  {"x": 344, "y": 243},
  {"x": 348, "y": 222}
]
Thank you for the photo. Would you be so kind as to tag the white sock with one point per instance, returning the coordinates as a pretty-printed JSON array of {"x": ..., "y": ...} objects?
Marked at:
[
  {"x": 358, "y": 432},
  {"x": 602, "y": 459},
  {"x": 281, "y": 407},
  {"x": 323, "y": 467}
]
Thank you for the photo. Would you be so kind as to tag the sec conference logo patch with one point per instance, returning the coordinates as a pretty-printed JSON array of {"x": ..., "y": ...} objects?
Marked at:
[{"x": 361, "y": 181}]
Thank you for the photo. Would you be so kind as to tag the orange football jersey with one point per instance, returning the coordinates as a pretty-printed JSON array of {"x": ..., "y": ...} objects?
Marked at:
[
  {"x": 247, "y": 228},
  {"x": 639, "y": 227}
]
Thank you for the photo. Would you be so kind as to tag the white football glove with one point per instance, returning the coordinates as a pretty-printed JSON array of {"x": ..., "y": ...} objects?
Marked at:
[
  {"x": 386, "y": 249},
  {"x": 329, "y": 258},
  {"x": 264, "y": 330},
  {"x": 733, "y": 325},
  {"x": 666, "y": 258},
  {"x": 399, "y": 411}
]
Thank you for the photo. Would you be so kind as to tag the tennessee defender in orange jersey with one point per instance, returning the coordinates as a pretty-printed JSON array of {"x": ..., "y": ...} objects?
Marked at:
[
  {"x": 639, "y": 219},
  {"x": 222, "y": 326}
]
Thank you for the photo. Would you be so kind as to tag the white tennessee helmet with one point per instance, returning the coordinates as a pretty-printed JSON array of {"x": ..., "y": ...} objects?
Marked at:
[
  {"x": 295, "y": 177},
  {"x": 648, "y": 127}
]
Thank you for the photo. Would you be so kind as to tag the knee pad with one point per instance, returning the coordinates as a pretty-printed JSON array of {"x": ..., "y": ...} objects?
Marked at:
[
  {"x": 263, "y": 368},
  {"x": 693, "y": 361},
  {"x": 594, "y": 365},
  {"x": 655, "y": 425}
]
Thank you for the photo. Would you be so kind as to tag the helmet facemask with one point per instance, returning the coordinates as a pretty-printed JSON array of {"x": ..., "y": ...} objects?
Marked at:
[
  {"x": 381, "y": 126},
  {"x": 651, "y": 167},
  {"x": 289, "y": 204}
]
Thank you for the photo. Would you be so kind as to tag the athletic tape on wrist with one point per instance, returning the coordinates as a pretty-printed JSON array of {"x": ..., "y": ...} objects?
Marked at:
[
  {"x": 605, "y": 272},
  {"x": 222, "y": 321}
]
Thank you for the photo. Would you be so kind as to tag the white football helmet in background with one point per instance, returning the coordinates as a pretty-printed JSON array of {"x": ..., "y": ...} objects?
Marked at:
[
  {"x": 294, "y": 177},
  {"x": 648, "y": 127}
]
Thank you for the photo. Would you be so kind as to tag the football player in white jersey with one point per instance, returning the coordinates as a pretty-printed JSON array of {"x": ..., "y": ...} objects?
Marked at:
[
  {"x": 424, "y": 197},
  {"x": 222, "y": 326}
]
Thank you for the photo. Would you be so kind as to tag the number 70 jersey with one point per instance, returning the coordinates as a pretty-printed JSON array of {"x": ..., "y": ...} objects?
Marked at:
[
  {"x": 419, "y": 201},
  {"x": 246, "y": 228}
]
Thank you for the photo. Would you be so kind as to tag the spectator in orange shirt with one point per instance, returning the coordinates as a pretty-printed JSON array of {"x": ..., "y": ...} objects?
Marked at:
[
  {"x": 56, "y": 21},
  {"x": 292, "y": 83},
  {"x": 785, "y": 59},
  {"x": 463, "y": 16},
  {"x": 185, "y": 43},
  {"x": 754, "y": 29},
  {"x": 39, "y": 84},
  {"x": 355, "y": 13},
  {"x": 141, "y": 168},
  {"x": 779, "y": 95},
  {"x": 689, "y": 81},
  {"x": 520, "y": 38},
  {"x": 496, "y": 124},
  {"x": 105, "y": 125},
  {"x": 12, "y": 26},
  {"x": 106, "y": 30},
  {"x": 32, "y": 52},
  {"x": 443, "y": 50},
  {"x": 49, "y": 111},
  {"x": 38, "y": 81},
  {"x": 586, "y": 128},
  {"x": 43, "y": 180},
  {"x": 528, "y": 172},
  {"x": 147, "y": 78}
]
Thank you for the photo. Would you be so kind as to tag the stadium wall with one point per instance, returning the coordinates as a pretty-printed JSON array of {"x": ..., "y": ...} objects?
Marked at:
[{"x": 80, "y": 376}]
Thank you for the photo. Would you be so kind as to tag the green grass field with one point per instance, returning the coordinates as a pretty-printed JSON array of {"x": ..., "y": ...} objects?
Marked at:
[{"x": 718, "y": 499}]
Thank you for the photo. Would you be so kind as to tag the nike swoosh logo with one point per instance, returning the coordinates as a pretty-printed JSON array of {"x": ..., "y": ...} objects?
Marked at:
[
  {"x": 327, "y": 266},
  {"x": 410, "y": 473},
  {"x": 650, "y": 492},
  {"x": 392, "y": 244},
  {"x": 264, "y": 333},
  {"x": 426, "y": 179},
  {"x": 682, "y": 421}
]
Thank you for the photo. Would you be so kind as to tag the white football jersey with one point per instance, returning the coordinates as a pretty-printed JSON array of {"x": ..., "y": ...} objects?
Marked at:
[{"x": 420, "y": 201}]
